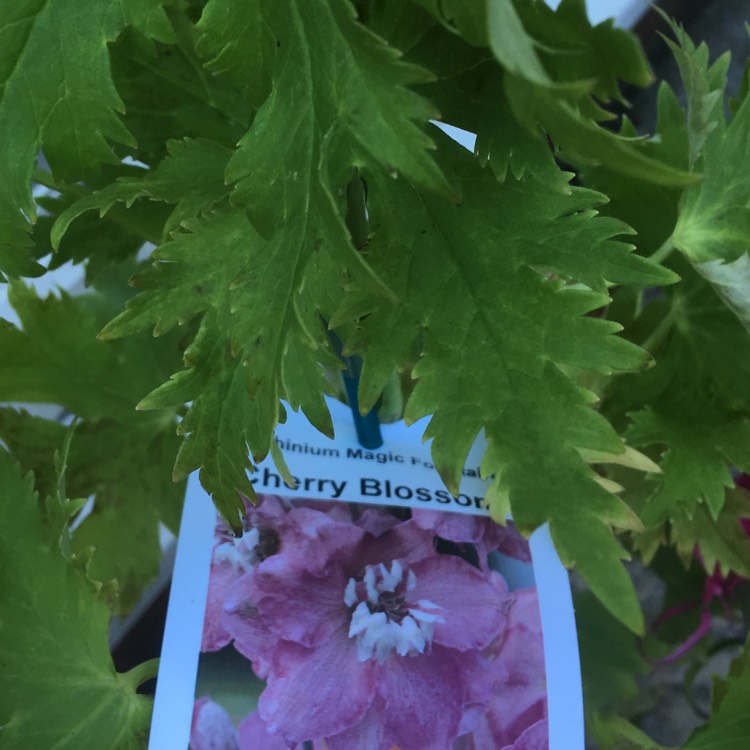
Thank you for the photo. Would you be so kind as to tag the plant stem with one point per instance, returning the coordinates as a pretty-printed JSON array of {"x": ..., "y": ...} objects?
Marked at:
[
  {"x": 657, "y": 336},
  {"x": 141, "y": 673},
  {"x": 664, "y": 251}
]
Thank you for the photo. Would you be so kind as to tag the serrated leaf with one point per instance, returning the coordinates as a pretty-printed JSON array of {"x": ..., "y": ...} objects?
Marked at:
[
  {"x": 55, "y": 358},
  {"x": 714, "y": 219},
  {"x": 96, "y": 243},
  {"x": 58, "y": 687},
  {"x": 259, "y": 341},
  {"x": 649, "y": 208},
  {"x": 557, "y": 70},
  {"x": 63, "y": 102},
  {"x": 464, "y": 275},
  {"x": 704, "y": 87},
  {"x": 512, "y": 45},
  {"x": 339, "y": 100},
  {"x": 713, "y": 226},
  {"x": 233, "y": 35},
  {"x": 573, "y": 49},
  {"x": 584, "y": 141},
  {"x": 171, "y": 96},
  {"x": 693, "y": 407},
  {"x": 191, "y": 177},
  {"x": 695, "y": 465},
  {"x": 721, "y": 540},
  {"x": 121, "y": 458}
]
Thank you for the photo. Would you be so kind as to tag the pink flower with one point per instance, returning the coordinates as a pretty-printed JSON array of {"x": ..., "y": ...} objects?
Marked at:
[
  {"x": 272, "y": 527},
  {"x": 480, "y": 531},
  {"x": 380, "y": 647},
  {"x": 521, "y": 701},
  {"x": 212, "y": 729},
  {"x": 536, "y": 737},
  {"x": 235, "y": 556}
]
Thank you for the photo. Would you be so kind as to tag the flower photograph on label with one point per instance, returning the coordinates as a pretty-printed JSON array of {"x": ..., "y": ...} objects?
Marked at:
[{"x": 335, "y": 626}]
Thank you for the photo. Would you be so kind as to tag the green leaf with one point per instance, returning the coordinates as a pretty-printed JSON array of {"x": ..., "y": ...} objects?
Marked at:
[
  {"x": 339, "y": 100},
  {"x": 583, "y": 141},
  {"x": 731, "y": 281},
  {"x": 58, "y": 687},
  {"x": 713, "y": 226},
  {"x": 573, "y": 50},
  {"x": 63, "y": 102},
  {"x": 472, "y": 288},
  {"x": 120, "y": 457},
  {"x": 171, "y": 96},
  {"x": 704, "y": 87},
  {"x": 233, "y": 35},
  {"x": 615, "y": 733},
  {"x": 714, "y": 220},
  {"x": 695, "y": 465},
  {"x": 191, "y": 177},
  {"x": 126, "y": 470},
  {"x": 729, "y": 727},
  {"x": 99, "y": 244},
  {"x": 465, "y": 17},
  {"x": 649, "y": 208},
  {"x": 243, "y": 360},
  {"x": 610, "y": 658},
  {"x": 694, "y": 405},
  {"x": 721, "y": 540},
  {"x": 56, "y": 358},
  {"x": 513, "y": 47}
]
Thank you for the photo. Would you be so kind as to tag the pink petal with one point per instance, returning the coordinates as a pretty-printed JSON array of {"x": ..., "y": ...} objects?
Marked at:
[
  {"x": 474, "y": 602},
  {"x": 313, "y": 538},
  {"x": 243, "y": 622},
  {"x": 483, "y": 532},
  {"x": 335, "y": 509},
  {"x": 367, "y": 733},
  {"x": 297, "y": 605},
  {"x": 536, "y": 737},
  {"x": 254, "y": 735},
  {"x": 211, "y": 727},
  {"x": 406, "y": 541},
  {"x": 456, "y": 527},
  {"x": 317, "y": 692},
  {"x": 522, "y": 700},
  {"x": 215, "y": 635},
  {"x": 424, "y": 698},
  {"x": 376, "y": 521}
]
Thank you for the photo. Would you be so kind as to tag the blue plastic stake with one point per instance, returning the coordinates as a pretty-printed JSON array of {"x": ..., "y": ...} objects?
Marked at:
[{"x": 368, "y": 427}]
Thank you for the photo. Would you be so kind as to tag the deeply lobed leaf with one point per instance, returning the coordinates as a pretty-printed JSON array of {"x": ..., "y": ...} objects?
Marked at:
[{"x": 474, "y": 288}]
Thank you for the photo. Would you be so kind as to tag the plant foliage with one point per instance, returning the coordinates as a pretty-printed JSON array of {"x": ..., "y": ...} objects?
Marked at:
[{"x": 578, "y": 292}]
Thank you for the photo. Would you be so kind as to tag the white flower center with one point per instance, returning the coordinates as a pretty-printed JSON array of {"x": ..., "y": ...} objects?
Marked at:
[
  {"x": 382, "y": 619},
  {"x": 239, "y": 552},
  {"x": 254, "y": 546}
]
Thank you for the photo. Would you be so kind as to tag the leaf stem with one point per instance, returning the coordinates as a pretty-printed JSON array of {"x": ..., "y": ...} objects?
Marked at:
[
  {"x": 664, "y": 251},
  {"x": 657, "y": 336},
  {"x": 141, "y": 673}
]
